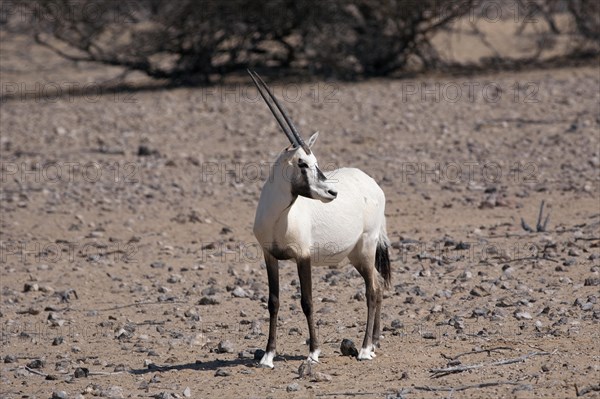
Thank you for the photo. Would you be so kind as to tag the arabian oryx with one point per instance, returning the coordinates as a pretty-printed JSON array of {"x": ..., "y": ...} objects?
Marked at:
[{"x": 319, "y": 219}]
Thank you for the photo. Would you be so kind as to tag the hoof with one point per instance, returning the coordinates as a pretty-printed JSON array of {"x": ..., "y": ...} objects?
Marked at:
[
  {"x": 267, "y": 360},
  {"x": 367, "y": 353},
  {"x": 314, "y": 356}
]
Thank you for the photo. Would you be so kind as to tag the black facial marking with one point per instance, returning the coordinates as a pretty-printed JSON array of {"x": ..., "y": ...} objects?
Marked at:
[
  {"x": 300, "y": 185},
  {"x": 320, "y": 175}
]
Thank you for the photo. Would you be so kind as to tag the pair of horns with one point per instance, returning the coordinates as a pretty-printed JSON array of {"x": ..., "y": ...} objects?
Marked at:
[{"x": 288, "y": 127}]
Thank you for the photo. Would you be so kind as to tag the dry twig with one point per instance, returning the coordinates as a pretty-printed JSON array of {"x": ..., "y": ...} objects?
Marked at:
[
  {"x": 539, "y": 226},
  {"x": 591, "y": 388},
  {"x": 105, "y": 372},
  {"x": 477, "y": 351},
  {"x": 465, "y": 387},
  {"x": 34, "y": 371},
  {"x": 436, "y": 373}
]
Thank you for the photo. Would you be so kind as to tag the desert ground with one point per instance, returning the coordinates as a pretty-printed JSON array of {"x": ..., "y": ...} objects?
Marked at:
[{"x": 129, "y": 268}]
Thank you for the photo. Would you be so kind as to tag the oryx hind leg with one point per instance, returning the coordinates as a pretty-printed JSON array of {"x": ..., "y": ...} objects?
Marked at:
[
  {"x": 305, "y": 274},
  {"x": 363, "y": 259}
]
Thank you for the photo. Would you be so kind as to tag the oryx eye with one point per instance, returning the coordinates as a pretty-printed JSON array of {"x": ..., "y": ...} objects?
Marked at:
[{"x": 302, "y": 164}]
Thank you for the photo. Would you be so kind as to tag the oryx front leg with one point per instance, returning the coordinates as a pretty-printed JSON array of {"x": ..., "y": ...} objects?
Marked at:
[
  {"x": 273, "y": 276},
  {"x": 304, "y": 272}
]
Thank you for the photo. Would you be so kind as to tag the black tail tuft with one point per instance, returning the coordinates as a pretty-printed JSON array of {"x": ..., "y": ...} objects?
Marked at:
[{"x": 382, "y": 262}]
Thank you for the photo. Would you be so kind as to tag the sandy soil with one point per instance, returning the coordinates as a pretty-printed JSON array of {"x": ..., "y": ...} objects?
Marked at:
[{"x": 127, "y": 230}]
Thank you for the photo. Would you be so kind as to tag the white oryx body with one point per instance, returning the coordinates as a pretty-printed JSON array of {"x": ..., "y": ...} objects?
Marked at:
[
  {"x": 318, "y": 219},
  {"x": 327, "y": 233}
]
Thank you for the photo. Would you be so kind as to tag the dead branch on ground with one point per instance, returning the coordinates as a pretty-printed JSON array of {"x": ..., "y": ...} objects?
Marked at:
[{"x": 436, "y": 373}]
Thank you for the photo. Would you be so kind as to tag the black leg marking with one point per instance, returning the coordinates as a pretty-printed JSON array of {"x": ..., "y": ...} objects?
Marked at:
[
  {"x": 273, "y": 275},
  {"x": 304, "y": 272}
]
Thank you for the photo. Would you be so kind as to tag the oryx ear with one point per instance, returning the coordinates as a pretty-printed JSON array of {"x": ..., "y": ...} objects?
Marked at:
[{"x": 313, "y": 139}]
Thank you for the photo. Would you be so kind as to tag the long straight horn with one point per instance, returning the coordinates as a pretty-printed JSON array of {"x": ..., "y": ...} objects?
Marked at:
[
  {"x": 283, "y": 126},
  {"x": 298, "y": 138}
]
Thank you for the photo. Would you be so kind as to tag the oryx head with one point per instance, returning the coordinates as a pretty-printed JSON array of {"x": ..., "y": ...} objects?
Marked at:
[{"x": 299, "y": 163}]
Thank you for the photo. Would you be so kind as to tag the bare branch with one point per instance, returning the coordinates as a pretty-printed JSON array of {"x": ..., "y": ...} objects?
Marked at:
[
  {"x": 588, "y": 389},
  {"x": 488, "y": 351},
  {"x": 465, "y": 387},
  {"x": 436, "y": 373}
]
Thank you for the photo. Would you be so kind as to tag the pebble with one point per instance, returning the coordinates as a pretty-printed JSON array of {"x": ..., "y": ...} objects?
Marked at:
[
  {"x": 545, "y": 368},
  {"x": 325, "y": 310},
  {"x": 256, "y": 327},
  {"x": 187, "y": 392},
  {"x": 569, "y": 262},
  {"x": 293, "y": 387},
  {"x": 22, "y": 373},
  {"x": 538, "y": 324},
  {"x": 359, "y": 296},
  {"x": 522, "y": 315},
  {"x": 245, "y": 355},
  {"x": 225, "y": 347},
  {"x": 295, "y": 331},
  {"x": 396, "y": 323},
  {"x": 36, "y": 364},
  {"x": 457, "y": 323},
  {"x": 157, "y": 265},
  {"x": 573, "y": 252},
  {"x": 81, "y": 372},
  {"x": 113, "y": 392},
  {"x": 120, "y": 367},
  {"x": 31, "y": 287},
  {"x": 348, "y": 348},
  {"x": 192, "y": 314},
  {"x": 222, "y": 373},
  {"x": 123, "y": 334},
  {"x": 479, "y": 291},
  {"x": 10, "y": 359},
  {"x": 320, "y": 377},
  {"x": 480, "y": 312},
  {"x": 258, "y": 354},
  {"x": 207, "y": 300},
  {"x": 305, "y": 369},
  {"x": 466, "y": 275},
  {"x": 591, "y": 281},
  {"x": 239, "y": 292},
  {"x": 59, "y": 395},
  {"x": 436, "y": 308},
  {"x": 93, "y": 389},
  {"x": 461, "y": 246}
]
